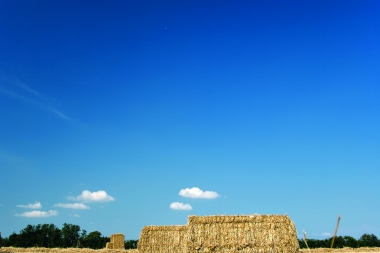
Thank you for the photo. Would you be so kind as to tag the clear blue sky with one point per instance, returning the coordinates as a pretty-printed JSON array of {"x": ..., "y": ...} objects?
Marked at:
[{"x": 110, "y": 109}]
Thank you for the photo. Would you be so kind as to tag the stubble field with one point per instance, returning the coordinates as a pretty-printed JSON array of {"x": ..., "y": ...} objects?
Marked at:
[{"x": 78, "y": 250}]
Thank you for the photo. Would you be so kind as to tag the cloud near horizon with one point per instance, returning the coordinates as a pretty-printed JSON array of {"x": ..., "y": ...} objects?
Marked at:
[
  {"x": 87, "y": 196},
  {"x": 38, "y": 214},
  {"x": 180, "y": 206},
  {"x": 72, "y": 205},
  {"x": 326, "y": 234},
  {"x": 36, "y": 205},
  {"x": 197, "y": 193}
]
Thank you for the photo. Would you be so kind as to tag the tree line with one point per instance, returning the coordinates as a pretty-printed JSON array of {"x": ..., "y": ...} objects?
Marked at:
[
  {"x": 366, "y": 240},
  {"x": 50, "y": 236}
]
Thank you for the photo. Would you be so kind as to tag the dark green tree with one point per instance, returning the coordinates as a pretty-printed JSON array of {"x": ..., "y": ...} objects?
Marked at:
[
  {"x": 82, "y": 238},
  {"x": 27, "y": 237},
  {"x": 48, "y": 235},
  {"x": 94, "y": 240},
  {"x": 338, "y": 242},
  {"x": 350, "y": 242},
  {"x": 130, "y": 244},
  {"x": 367, "y": 240},
  {"x": 70, "y": 235},
  {"x": 314, "y": 243},
  {"x": 13, "y": 239},
  {"x": 5, "y": 242}
]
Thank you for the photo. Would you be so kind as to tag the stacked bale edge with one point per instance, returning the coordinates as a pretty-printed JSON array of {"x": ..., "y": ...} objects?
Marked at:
[
  {"x": 248, "y": 233},
  {"x": 162, "y": 239},
  {"x": 117, "y": 241},
  {"x": 109, "y": 245}
]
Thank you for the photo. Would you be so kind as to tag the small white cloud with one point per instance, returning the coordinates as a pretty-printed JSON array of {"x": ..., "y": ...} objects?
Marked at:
[
  {"x": 180, "y": 206},
  {"x": 72, "y": 206},
  {"x": 76, "y": 215},
  {"x": 326, "y": 234},
  {"x": 38, "y": 214},
  {"x": 197, "y": 193},
  {"x": 36, "y": 205},
  {"x": 87, "y": 196}
]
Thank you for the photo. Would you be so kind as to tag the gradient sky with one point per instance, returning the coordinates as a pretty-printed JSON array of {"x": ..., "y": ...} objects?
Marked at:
[{"x": 118, "y": 114}]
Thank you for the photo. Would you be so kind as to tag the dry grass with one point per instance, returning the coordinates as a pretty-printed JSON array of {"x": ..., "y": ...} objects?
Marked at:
[
  {"x": 342, "y": 250},
  {"x": 64, "y": 250},
  {"x": 76, "y": 250}
]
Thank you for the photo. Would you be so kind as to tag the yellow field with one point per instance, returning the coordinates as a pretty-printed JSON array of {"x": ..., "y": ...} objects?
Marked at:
[
  {"x": 76, "y": 250},
  {"x": 342, "y": 250},
  {"x": 67, "y": 250}
]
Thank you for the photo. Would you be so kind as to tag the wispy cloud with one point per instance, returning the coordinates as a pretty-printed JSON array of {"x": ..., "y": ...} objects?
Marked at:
[
  {"x": 325, "y": 234},
  {"x": 25, "y": 87},
  {"x": 13, "y": 94},
  {"x": 197, "y": 193},
  {"x": 72, "y": 205},
  {"x": 38, "y": 214},
  {"x": 36, "y": 205},
  {"x": 180, "y": 206},
  {"x": 60, "y": 114},
  {"x": 22, "y": 92},
  {"x": 76, "y": 215},
  {"x": 87, "y": 196}
]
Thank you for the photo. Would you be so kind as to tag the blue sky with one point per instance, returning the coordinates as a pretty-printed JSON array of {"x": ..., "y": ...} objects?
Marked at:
[{"x": 118, "y": 114}]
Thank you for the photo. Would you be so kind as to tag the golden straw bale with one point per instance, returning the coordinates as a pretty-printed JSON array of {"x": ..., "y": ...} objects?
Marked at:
[
  {"x": 109, "y": 245},
  {"x": 117, "y": 241},
  {"x": 242, "y": 233},
  {"x": 162, "y": 239}
]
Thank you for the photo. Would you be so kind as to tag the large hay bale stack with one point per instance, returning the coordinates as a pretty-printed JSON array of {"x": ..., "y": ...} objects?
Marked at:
[
  {"x": 162, "y": 239},
  {"x": 117, "y": 241},
  {"x": 248, "y": 233}
]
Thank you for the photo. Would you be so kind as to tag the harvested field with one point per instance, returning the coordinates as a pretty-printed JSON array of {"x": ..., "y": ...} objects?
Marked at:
[
  {"x": 76, "y": 250},
  {"x": 342, "y": 250},
  {"x": 64, "y": 250}
]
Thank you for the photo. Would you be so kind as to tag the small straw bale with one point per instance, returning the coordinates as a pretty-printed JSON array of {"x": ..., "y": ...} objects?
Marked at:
[
  {"x": 109, "y": 245},
  {"x": 242, "y": 233},
  {"x": 117, "y": 241},
  {"x": 162, "y": 239}
]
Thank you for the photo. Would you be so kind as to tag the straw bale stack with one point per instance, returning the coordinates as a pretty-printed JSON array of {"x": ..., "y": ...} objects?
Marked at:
[
  {"x": 162, "y": 239},
  {"x": 117, "y": 241},
  {"x": 248, "y": 233}
]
